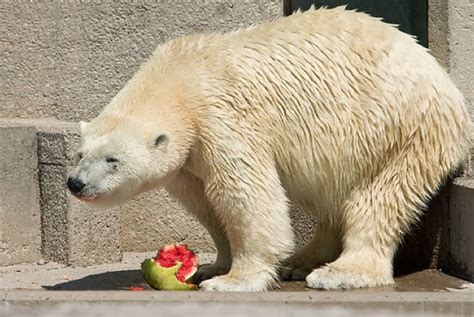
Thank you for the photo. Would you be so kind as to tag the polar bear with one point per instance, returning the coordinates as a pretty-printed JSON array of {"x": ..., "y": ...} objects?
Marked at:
[{"x": 331, "y": 109}]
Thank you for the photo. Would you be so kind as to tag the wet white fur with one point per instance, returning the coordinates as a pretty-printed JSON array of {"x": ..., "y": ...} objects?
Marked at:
[{"x": 332, "y": 109}]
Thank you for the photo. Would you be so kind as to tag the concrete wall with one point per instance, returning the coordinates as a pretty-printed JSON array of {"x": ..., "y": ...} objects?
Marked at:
[
  {"x": 65, "y": 60},
  {"x": 451, "y": 41},
  {"x": 461, "y": 47}
]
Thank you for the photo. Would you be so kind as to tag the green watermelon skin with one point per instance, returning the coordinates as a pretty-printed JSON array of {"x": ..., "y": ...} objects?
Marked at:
[
  {"x": 171, "y": 269},
  {"x": 163, "y": 278}
]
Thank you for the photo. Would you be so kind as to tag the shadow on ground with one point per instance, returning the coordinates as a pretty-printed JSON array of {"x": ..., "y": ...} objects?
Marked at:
[
  {"x": 427, "y": 280},
  {"x": 116, "y": 280}
]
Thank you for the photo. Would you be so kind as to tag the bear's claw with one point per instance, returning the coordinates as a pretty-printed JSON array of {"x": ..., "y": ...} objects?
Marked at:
[{"x": 208, "y": 271}]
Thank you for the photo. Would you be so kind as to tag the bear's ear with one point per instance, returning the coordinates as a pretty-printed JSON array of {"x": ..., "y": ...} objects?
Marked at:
[
  {"x": 82, "y": 125},
  {"x": 161, "y": 140}
]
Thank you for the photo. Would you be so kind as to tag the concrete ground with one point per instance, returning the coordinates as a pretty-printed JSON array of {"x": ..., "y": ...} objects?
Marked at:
[{"x": 50, "y": 289}]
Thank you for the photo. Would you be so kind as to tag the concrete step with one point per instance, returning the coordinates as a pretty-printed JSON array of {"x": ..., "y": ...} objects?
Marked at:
[
  {"x": 73, "y": 233},
  {"x": 58, "y": 290},
  {"x": 302, "y": 304}
]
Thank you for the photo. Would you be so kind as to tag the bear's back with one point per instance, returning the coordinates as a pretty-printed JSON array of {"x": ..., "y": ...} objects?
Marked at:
[{"x": 338, "y": 90}]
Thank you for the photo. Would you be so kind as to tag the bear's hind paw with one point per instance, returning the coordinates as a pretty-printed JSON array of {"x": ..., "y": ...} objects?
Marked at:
[{"x": 329, "y": 278}]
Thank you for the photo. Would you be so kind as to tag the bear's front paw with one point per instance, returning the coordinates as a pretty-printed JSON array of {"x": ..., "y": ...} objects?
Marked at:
[
  {"x": 255, "y": 282},
  {"x": 330, "y": 278},
  {"x": 208, "y": 271}
]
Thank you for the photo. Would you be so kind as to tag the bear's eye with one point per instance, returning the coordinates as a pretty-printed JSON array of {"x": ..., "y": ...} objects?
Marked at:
[
  {"x": 161, "y": 139},
  {"x": 80, "y": 156},
  {"x": 111, "y": 159}
]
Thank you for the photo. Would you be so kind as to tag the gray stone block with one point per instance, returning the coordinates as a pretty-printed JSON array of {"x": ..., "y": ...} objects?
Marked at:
[
  {"x": 73, "y": 233},
  {"x": 155, "y": 219},
  {"x": 94, "y": 234},
  {"x": 461, "y": 224},
  {"x": 20, "y": 224},
  {"x": 54, "y": 213}
]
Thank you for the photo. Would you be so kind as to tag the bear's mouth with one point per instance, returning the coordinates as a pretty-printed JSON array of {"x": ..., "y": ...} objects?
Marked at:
[
  {"x": 85, "y": 197},
  {"x": 88, "y": 198}
]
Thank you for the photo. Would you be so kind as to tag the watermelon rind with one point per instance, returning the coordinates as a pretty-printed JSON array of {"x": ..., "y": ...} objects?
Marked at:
[{"x": 164, "y": 278}]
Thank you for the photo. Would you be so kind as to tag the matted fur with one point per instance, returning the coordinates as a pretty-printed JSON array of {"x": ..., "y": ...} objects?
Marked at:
[{"x": 331, "y": 109}]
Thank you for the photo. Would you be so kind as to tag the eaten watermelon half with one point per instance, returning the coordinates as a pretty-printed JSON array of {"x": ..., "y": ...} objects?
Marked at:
[{"x": 171, "y": 269}]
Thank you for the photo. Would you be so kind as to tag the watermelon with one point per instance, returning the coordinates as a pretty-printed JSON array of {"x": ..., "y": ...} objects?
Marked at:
[{"x": 171, "y": 269}]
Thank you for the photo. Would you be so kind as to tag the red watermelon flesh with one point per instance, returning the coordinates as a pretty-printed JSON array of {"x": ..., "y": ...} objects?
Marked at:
[{"x": 170, "y": 255}]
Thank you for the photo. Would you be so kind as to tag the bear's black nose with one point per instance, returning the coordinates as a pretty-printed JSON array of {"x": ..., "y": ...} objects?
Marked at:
[{"x": 75, "y": 185}]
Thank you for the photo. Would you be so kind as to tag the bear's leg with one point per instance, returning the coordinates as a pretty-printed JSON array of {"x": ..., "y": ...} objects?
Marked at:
[
  {"x": 323, "y": 248},
  {"x": 252, "y": 204},
  {"x": 189, "y": 190},
  {"x": 371, "y": 231},
  {"x": 375, "y": 217}
]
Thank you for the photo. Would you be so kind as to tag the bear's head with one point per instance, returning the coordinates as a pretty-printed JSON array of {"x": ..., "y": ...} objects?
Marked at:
[
  {"x": 120, "y": 158},
  {"x": 142, "y": 138}
]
